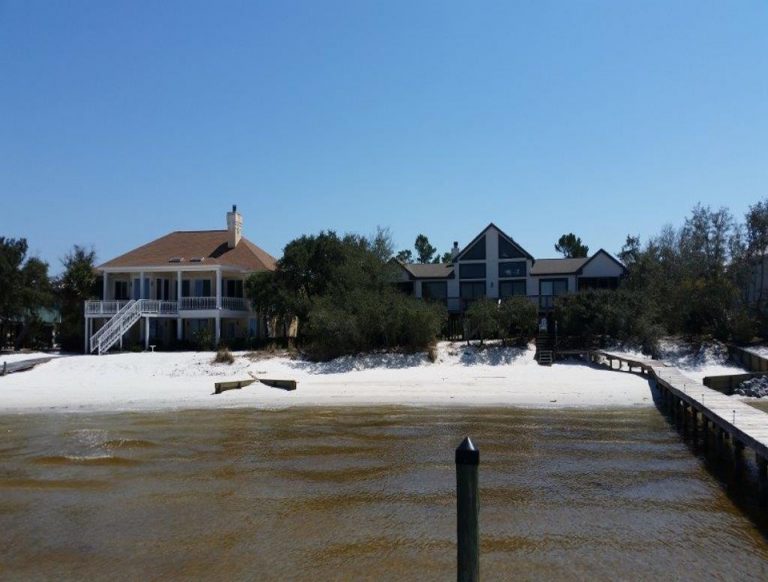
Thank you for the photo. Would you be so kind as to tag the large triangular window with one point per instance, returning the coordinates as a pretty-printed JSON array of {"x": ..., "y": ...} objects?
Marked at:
[
  {"x": 476, "y": 252},
  {"x": 509, "y": 251}
]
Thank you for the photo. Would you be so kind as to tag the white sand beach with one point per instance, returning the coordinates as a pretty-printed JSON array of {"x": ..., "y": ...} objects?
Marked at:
[
  {"x": 461, "y": 376},
  {"x": 696, "y": 362}
]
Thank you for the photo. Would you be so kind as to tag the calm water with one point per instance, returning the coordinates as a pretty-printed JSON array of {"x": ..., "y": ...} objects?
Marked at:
[{"x": 364, "y": 494}]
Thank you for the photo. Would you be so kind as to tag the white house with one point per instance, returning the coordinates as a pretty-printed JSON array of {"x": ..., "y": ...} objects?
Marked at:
[
  {"x": 176, "y": 286},
  {"x": 494, "y": 265}
]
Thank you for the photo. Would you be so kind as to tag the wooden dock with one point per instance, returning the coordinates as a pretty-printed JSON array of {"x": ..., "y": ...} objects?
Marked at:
[
  {"x": 21, "y": 366},
  {"x": 695, "y": 406}
]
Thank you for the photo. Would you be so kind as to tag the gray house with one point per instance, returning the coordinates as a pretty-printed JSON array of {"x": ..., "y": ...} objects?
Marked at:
[{"x": 495, "y": 266}]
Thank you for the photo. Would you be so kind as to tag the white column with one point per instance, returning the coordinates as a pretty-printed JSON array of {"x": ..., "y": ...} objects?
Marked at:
[
  {"x": 141, "y": 286},
  {"x": 218, "y": 289},
  {"x": 105, "y": 292},
  {"x": 146, "y": 334},
  {"x": 179, "y": 321},
  {"x": 218, "y": 329}
]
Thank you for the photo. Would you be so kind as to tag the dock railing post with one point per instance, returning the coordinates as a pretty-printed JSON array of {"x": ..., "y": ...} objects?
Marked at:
[{"x": 467, "y": 512}]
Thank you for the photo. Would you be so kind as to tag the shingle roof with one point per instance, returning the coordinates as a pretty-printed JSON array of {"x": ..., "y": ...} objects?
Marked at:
[
  {"x": 557, "y": 266},
  {"x": 211, "y": 245},
  {"x": 429, "y": 270}
]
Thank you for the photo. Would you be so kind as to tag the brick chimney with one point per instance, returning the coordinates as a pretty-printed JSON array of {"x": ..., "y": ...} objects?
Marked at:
[
  {"x": 234, "y": 227},
  {"x": 455, "y": 249}
]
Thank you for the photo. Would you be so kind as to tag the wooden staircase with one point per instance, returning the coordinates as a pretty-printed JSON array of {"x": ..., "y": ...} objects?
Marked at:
[{"x": 544, "y": 349}]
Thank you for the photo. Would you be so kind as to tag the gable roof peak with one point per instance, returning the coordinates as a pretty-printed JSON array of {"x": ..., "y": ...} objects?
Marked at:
[{"x": 501, "y": 233}]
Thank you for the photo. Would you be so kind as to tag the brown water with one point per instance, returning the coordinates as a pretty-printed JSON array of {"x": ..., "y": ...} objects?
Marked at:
[{"x": 363, "y": 494}]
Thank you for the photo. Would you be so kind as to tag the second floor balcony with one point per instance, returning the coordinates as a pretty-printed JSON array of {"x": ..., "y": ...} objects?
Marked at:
[{"x": 171, "y": 308}]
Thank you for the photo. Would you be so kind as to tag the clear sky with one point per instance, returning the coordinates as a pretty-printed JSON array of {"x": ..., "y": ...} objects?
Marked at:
[{"x": 122, "y": 121}]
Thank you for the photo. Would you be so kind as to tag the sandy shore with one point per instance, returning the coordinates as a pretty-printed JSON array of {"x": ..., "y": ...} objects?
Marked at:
[{"x": 461, "y": 377}]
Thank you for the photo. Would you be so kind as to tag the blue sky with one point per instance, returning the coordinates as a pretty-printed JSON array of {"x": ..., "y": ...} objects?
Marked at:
[{"x": 121, "y": 121}]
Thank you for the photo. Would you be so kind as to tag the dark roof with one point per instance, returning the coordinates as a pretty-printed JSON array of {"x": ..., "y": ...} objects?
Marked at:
[
  {"x": 568, "y": 266},
  {"x": 210, "y": 245},
  {"x": 557, "y": 266},
  {"x": 429, "y": 270},
  {"x": 502, "y": 233}
]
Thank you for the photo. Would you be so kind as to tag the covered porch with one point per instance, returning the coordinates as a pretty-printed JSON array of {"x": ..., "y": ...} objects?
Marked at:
[{"x": 215, "y": 294}]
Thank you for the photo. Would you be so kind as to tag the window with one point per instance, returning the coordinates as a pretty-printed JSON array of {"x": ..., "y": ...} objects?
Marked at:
[
  {"x": 510, "y": 288},
  {"x": 509, "y": 251},
  {"x": 553, "y": 287},
  {"x": 512, "y": 269},
  {"x": 476, "y": 251},
  {"x": 202, "y": 287},
  {"x": 121, "y": 290},
  {"x": 472, "y": 271},
  {"x": 233, "y": 288},
  {"x": 137, "y": 293},
  {"x": 185, "y": 288},
  {"x": 163, "y": 289},
  {"x": 434, "y": 290},
  {"x": 473, "y": 290}
]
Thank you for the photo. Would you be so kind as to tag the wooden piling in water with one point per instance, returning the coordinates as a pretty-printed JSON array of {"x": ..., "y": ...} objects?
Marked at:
[
  {"x": 762, "y": 478},
  {"x": 467, "y": 512}
]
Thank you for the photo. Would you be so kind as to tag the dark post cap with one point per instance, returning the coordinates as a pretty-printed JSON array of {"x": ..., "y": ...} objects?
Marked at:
[{"x": 466, "y": 453}]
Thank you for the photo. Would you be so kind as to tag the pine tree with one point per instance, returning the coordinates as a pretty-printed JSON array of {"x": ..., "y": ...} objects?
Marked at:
[{"x": 571, "y": 246}]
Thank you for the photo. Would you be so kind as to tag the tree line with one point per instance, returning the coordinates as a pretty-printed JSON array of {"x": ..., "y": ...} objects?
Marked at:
[
  {"x": 703, "y": 278},
  {"x": 27, "y": 290}
]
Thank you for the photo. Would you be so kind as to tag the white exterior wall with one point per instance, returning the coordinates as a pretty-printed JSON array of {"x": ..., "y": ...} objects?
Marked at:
[
  {"x": 492, "y": 263},
  {"x": 453, "y": 285},
  {"x": 491, "y": 269},
  {"x": 601, "y": 265}
]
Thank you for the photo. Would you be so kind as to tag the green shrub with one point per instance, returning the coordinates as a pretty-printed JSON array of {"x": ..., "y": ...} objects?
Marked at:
[
  {"x": 599, "y": 317},
  {"x": 518, "y": 319},
  {"x": 482, "y": 319},
  {"x": 742, "y": 327},
  {"x": 366, "y": 320}
]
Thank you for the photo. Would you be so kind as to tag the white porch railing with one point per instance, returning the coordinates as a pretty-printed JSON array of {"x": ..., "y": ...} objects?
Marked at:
[
  {"x": 157, "y": 307},
  {"x": 152, "y": 306},
  {"x": 98, "y": 339},
  {"x": 194, "y": 303},
  {"x": 104, "y": 307},
  {"x": 234, "y": 303}
]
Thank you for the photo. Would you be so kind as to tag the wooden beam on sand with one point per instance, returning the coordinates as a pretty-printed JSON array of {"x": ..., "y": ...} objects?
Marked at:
[{"x": 220, "y": 387}]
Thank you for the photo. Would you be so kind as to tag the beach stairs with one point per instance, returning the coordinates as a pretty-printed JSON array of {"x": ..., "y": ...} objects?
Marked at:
[
  {"x": 545, "y": 354},
  {"x": 114, "y": 329}
]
